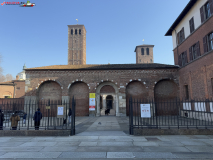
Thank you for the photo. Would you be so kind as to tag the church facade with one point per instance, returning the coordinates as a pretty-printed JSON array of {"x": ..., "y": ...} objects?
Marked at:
[{"x": 113, "y": 84}]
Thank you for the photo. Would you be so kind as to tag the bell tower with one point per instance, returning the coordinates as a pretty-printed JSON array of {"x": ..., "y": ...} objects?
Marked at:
[
  {"x": 144, "y": 53},
  {"x": 76, "y": 45}
]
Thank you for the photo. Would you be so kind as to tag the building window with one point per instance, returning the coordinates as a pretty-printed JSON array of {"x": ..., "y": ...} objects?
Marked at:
[
  {"x": 194, "y": 51},
  {"x": 17, "y": 88},
  {"x": 140, "y": 60},
  {"x": 186, "y": 92},
  {"x": 80, "y": 31},
  {"x": 147, "y": 51},
  {"x": 191, "y": 25},
  {"x": 150, "y": 60},
  {"x": 76, "y": 31},
  {"x": 182, "y": 59},
  {"x": 210, "y": 41},
  {"x": 142, "y": 51},
  {"x": 206, "y": 11},
  {"x": 72, "y": 31},
  {"x": 7, "y": 97},
  {"x": 180, "y": 36}
]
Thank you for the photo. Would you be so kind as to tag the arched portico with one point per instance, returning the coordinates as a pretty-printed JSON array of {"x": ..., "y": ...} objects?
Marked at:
[{"x": 114, "y": 95}]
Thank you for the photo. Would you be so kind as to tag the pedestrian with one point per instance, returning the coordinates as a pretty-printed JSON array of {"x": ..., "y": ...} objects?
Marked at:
[
  {"x": 70, "y": 115},
  {"x": 37, "y": 118},
  {"x": 14, "y": 120},
  {"x": 24, "y": 117},
  {"x": 1, "y": 119}
]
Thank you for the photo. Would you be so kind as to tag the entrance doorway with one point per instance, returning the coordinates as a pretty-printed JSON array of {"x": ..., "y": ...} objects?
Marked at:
[{"x": 109, "y": 100}]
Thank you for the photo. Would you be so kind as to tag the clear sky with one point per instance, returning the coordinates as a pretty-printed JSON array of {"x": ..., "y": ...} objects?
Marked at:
[{"x": 38, "y": 36}]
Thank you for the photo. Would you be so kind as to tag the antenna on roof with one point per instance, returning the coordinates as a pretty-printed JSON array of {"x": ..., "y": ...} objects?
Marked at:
[
  {"x": 77, "y": 21},
  {"x": 143, "y": 41}
]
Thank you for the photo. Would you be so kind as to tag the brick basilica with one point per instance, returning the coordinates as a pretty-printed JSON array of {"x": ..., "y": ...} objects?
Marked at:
[{"x": 113, "y": 84}]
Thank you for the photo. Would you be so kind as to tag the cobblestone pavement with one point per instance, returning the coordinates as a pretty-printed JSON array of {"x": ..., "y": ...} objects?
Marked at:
[{"x": 107, "y": 137}]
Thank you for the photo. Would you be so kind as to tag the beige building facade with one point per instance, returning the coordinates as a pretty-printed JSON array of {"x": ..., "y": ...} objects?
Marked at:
[{"x": 144, "y": 53}]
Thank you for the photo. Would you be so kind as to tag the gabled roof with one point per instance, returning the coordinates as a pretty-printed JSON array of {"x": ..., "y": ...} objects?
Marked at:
[
  {"x": 143, "y": 45},
  {"x": 181, "y": 16},
  {"x": 104, "y": 67}
]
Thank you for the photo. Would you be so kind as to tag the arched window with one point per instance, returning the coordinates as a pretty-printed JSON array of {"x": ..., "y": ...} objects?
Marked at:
[
  {"x": 76, "y": 31},
  {"x": 71, "y": 31},
  {"x": 80, "y": 31},
  {"x": 142, "y": 51},
  {"x": 147, "y": 51}
]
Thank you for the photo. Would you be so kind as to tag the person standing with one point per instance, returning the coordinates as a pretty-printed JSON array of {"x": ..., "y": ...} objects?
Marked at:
[
  {"x": 24, "y": 118},
  {"x": 1, "y": 119},
  {"x": 70, "y": 114},
  {"x": 37, "y": 118},
  {"x": 14, "y": 120}
]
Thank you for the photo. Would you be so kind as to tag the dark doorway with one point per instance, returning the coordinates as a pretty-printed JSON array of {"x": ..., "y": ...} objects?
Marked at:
[{"x": 109, "y": 100}]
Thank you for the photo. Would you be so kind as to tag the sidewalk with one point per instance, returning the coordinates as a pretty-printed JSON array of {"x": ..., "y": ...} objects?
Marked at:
[{"x": 107, "y": 137}]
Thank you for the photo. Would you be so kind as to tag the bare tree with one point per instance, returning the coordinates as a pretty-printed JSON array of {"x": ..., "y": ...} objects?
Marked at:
[
  {"x": 2, "y": 78},
  {"x": 9, "y": 77}
]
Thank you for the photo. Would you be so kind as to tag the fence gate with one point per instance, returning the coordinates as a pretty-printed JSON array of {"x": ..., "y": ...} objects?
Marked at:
[{"x": 72, "y": 130}]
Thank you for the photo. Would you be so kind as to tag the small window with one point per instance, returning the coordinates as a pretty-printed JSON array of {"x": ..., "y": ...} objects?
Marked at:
[
  {"x": 17, "y": 88},
  {"x": 180, "y": 36},
  {"x": 142, "y": 51},
  {"x": 191, "y": 25},
  {"x": 186, "y": 92},
  {"x": 210, "y": 41},
  {"x": 207, "y": 10},
  {"x": 140, "y": 60},
  {"x": 72, "y": 31},
  {"x": 147, "y": 51},
  {"x": 76, "y": 31},
  {"x": 150, "y": 60},
  {"x": 80, "y": 31},
  {"x": 194, "y": 51},
  {"x": 6, "y": 96}
]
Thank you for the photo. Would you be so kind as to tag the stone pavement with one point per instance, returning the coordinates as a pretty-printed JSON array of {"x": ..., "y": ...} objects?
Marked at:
[{"x": 107, "y": 137}]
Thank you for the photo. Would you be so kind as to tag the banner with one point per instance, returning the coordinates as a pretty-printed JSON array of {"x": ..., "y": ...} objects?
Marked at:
[
  {"x": 92, "y": 102},
  {"x": 145, "y": 111}
]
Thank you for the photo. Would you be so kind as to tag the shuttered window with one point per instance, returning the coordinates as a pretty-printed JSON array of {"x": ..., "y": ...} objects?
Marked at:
[
  {"x": 210, "y": 41},
  {"x": 191, "y": 25},
  {"x": 206, "y": 10},
  {"x": 194, "y": 51},
  {"x": 71, "y": 31},
  {"x": 80, "y": 31},
  {"x": 181, "y": 36},
  {"x": 205, "y": 46},
  {"x": 182, "y": 59},
  {"x": 76, "y": 31}
]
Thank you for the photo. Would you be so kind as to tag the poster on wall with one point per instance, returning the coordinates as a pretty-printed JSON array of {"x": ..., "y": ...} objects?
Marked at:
[
  {"x": 145, "y": 111},
  {"x": 92, "y": 102},
  {"x": 60, "y": 111}
]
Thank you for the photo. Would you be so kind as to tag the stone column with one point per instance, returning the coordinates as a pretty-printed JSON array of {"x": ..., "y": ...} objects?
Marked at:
[
  {"x": 98, "y": 105},
  {"x": 117, "y": 104},
  {"x": 104, "y": 102}
]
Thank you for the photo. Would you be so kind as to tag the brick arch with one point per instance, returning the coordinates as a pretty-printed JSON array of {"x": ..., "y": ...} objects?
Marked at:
[
  {"x": 107, "y": 89},
  {"x": 80, "y": 91},
  {"x": 135, "y": 90},
  {"x": 49, "y": 90},
  {"x": 165, "y": 94}
]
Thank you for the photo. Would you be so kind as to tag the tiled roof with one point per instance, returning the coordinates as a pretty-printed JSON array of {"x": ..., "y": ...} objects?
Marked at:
[{"x": 105, "y": 67}]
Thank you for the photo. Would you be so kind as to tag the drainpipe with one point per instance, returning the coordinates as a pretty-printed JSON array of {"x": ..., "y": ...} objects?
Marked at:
[{"x": 14, "y": 90}]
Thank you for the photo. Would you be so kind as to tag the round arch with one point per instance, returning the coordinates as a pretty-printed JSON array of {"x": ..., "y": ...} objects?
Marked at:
[
  {"x": 165, "y": 95},
  {"x": 80, "y": 91},
  {"x": 49, "y": 90},
  {"x": 112, "y": 93},
  {"x": 135, "y": 90}
]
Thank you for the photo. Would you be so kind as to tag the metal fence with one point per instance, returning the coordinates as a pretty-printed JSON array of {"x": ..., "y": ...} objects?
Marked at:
[
  {"x": 170, "y": 114},
  {"x": 50, "y": 119}
]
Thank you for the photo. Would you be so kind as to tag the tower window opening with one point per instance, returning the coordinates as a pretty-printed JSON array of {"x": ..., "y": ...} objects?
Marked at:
[
  {"x": 80, "y": 31},
  {"x": 142, "y": 51},
  {"x": 76, "y": 31},
  {"x": 72, "y": 31},
  {"x": 147, "y": 51}
]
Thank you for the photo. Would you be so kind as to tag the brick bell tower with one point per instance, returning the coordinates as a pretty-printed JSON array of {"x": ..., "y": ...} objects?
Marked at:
[
  {"x": 76, "y": 45},
  {"x": 144, "y": 53}
]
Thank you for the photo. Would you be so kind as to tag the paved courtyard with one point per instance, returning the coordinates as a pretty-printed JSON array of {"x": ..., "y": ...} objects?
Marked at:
[{"x": 107, "y": 137}]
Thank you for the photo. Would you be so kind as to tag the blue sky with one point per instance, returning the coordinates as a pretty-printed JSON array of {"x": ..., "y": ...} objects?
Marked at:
[{"x": 38, "y": 36}]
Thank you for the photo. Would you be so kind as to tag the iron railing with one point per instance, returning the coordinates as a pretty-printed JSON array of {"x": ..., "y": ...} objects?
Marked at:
[
  {"x": 168, "y": 114},
  {"x": 50, "y": 119}
]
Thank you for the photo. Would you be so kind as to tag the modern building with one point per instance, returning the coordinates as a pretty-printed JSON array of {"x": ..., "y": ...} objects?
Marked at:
[{"x": 192, "y": 36}]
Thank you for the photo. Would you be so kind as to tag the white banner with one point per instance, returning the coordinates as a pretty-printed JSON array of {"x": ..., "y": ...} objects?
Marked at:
[
  {"x": 60, "y": 111},
  {"x": 145, "y": 111}
]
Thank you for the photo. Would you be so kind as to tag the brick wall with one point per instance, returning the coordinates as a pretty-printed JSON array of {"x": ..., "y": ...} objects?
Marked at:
[
  {"x": 20, "y": 89},
  {"x": 107, "y": 89},
  {"x": 93, "y": 78},
  {"x": 6, "y": 90}
]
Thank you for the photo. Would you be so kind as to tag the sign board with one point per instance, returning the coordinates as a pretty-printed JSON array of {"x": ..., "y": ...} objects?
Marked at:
[
  {"x": 145, "y": 111},
  {"x": 60, "y": 111},
  {"x": 92, "y": 102},
  {"x": 47, "y": 107}
]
